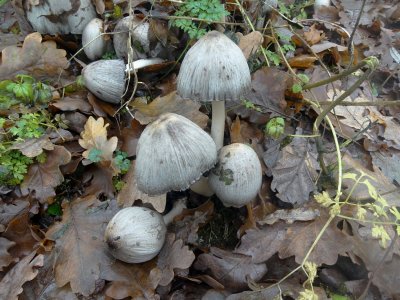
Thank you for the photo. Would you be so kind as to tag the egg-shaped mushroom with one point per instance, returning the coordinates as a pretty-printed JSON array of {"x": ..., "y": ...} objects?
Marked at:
[
  {"x": 92, "y": 41},
  {"x": 237, "y": 177},
  {"x": 106, "y": 79},
  {"x": 135, "y": 234},
  {"x": 172, "y": 153}
]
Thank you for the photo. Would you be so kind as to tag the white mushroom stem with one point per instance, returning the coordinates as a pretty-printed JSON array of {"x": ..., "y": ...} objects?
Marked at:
[
  {"x": 176, "y": 210},
  {"x": 218, "y": 123}
]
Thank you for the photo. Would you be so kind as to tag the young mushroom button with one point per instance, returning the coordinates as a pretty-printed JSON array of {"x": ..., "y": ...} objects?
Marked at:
[
  {"x": 214, "y": 70},
  {"x": 172, "y": 153},
  {"x": 237, "y": 177}
]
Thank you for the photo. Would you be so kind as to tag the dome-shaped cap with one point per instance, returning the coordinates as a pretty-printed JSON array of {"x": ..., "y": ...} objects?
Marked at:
[
  {"x": 237, "y": 177},
  {"x": 213, "y": 69},
  {"x": 172, "y": 153}
]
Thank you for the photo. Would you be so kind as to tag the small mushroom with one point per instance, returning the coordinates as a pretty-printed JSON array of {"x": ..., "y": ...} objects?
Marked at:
[
  {"x": 237, "y": 177},
  {"x": 106, "y": 79},
  {"x": 320, "y": 3},
  {"x": 137, "y": 234},
  {"x": 92, "y": 41},
  {"x": 63, "y": 17},
  {"x": 214, "y": 70},
  {"x": 172, "y": 153},
  {"x": 140, "y": 38}
]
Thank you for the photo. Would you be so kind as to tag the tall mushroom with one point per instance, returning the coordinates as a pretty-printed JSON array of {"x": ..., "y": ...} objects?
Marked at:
[
  {"x": 214, "y": 70},
  {"x": 172, "y": 153}
]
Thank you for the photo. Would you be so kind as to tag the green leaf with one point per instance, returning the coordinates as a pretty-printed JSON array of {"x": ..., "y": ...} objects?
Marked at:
[
  {"x": 54, "y": 209},
  {"x": 297, "y": 88},
  {"x": 94, "y": 155}
]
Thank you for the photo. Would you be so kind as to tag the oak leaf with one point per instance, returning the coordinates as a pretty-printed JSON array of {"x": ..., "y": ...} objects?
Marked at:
[
  {"x": 94, "y": 138},
  {"x": 5, "y": 256},
  {"x": 39, "y": 59},
  {"x": 42, "y": 178},
  {"x": 25, "y": 270}
]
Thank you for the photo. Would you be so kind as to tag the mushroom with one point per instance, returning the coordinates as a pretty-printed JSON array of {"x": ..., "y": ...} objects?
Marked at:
[
  {"x": 92, "y": 41},
  {"x": 214, "y": 70},
  {"x": 140, "y": 38},
  {"x": 137, "y": 234},
  {"x": 63, "y": 17},
  {"x": 172, "y": 153},
  {"x": 237, "y": 177},
  {"x": 320, "y": 3},
  {"x": 106, "y": 79}
]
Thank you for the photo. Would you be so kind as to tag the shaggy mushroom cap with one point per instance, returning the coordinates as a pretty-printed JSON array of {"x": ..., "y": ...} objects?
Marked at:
[
  {"x": 172, "y": 153},
  {"x": 213, "y": 69},
  {"x": 237, "y": 177}
]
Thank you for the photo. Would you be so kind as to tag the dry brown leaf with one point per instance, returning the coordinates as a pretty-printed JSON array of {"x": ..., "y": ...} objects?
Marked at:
[
  {"x": 23, "y": 271},
  {"x": 147, "y": 113},
  {"x": 173, "y": 255},
  {"x": 42, "y": 178},
  {"x": 231, "y": 269},
  {"x": 82, "y": 254},
  {"x": 250, "y": 43},
  {"x": 295, "y": 171},
  {"x": 39, "y": 59},
  {"x": 301, "y": 235},
  {"x": 242, "y": 132},
  {"x": 73, "y": 103},
  {"x": 302, "y": 61},
  {"x": 130, "y": 137},
  {"x": 130, "y": 193},
  {"x": 9, "y": 211},
  {"x": 5, "y": 257},
  {"x": 100, "y": 178},
  {"x": 94, "y": 136},
  {"x": 314, "y": 36},
  {"x": 34, "y": 147}
]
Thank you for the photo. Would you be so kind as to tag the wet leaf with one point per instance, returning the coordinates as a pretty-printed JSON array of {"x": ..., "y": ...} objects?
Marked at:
[
  {"x": 39, "y": 59},
  {"x": 82, "y": 254},
  {"x": 25, "y": 270},
  {"x": 295, "y": 172},
  {"x": 42, "y": 178},
  {"x": 232, "y": 270},
  {"x": 130, "y": 193},
  {"x": 173, "y": 255}
]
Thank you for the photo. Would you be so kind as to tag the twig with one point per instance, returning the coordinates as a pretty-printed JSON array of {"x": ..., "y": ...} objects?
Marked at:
[{"x": 351, "y": 45}]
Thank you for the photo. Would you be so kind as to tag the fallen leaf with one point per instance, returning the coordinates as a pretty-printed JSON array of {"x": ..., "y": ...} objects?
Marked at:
[
  {"x": 290, "y": 215},
  {"x": 250, "y": 43},
  {"x": 25, "y": 270},
  {"x": 9, "y": 211},
  {"x": 130, "y": 193},
  {"x": 231, "y": 269},
  {"x": 82, "y": 253},
  {"x": 5, "y": 257},
  {"x": 147, "y": 113},
  {"x": 100, "y": 178},
  {"x": 302, "y": 61},
  {"x": 314, "y": 36},
  {"x": 173, "y": 255},
  {"x": 130, "y": 137},
  {"x": 295, "y": 172},
  {"x": 301, "y": 235},
  {"x": 137, "y": 281},
  {"x": 37, "y": 58},
  {"x": 73, "y": 103},
  {"x": 262, "y": 244},
  {"x": 94, "y": 137},
  {"x": 34, "y": 147},
  {"x": 243, "y": 132},
  {"x": 42, "y": 178}
]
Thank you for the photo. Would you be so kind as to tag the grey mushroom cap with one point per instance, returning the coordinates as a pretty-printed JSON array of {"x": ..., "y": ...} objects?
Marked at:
[
  {"x": 214, "y": 69},
  {"x": 172, "y": 153},
  {"x": 237, "y": 177},
  {"x": 106, "y": 79}
]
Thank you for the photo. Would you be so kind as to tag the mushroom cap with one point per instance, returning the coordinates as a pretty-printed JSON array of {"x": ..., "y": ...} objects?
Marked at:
[
  {"x": 172, "y": 153},
  {"x": 105, "y": 79},
  {"x": 237, "y": 177},
  {"x": 135, "y": 234},
  {"x": 214, "y": 69},
  {"x": 97, "y": 46}
]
